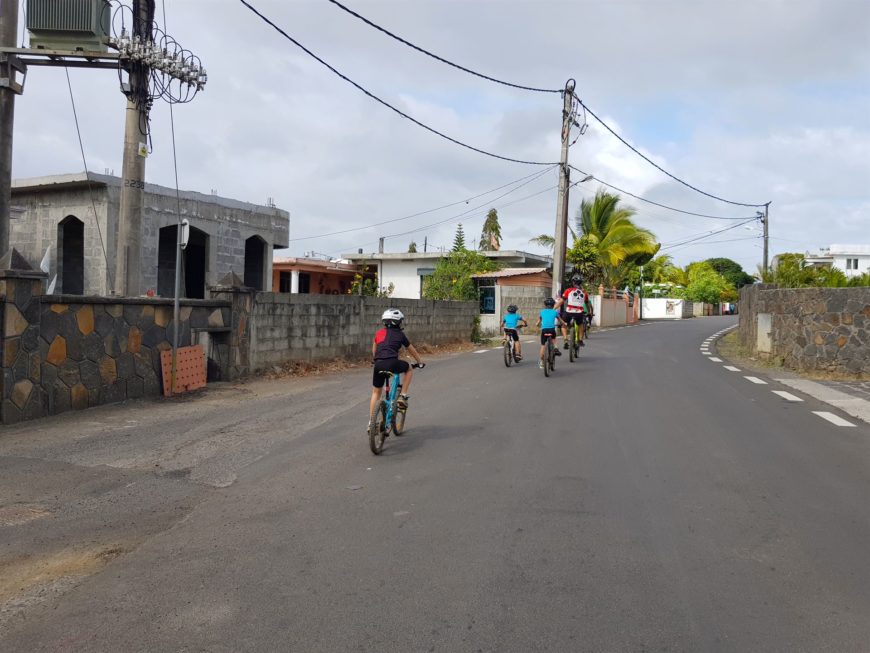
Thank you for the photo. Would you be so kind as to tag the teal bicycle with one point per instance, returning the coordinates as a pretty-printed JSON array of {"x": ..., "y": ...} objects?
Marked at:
[{"x": 388, "y": 416}]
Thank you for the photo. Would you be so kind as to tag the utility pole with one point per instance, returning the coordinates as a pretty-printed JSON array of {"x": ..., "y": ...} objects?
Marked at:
[
  {"x": 560, "y": 245},
  {"x": 8, "y": 34},
  {"x": 765, "y": 220},
  {"x": 425, "y": 243},
  {"x": 128, "y": 261}
]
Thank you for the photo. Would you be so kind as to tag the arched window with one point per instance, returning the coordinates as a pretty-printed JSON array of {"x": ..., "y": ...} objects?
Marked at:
[
  {"x": 71, "y": 256},
  {"x": 255, "y": 262}
]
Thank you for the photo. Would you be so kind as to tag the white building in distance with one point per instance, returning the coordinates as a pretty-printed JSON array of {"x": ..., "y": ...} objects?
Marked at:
[{"x": 852, "y": 260}]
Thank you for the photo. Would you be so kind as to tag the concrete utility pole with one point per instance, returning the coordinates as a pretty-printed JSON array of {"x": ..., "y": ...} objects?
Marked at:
[
  {"x": 8, "y": 34},
  {"x": 765, "y": 221},
  {"x": 561, "y": 238},
  {"x": 128, "y": 261}
]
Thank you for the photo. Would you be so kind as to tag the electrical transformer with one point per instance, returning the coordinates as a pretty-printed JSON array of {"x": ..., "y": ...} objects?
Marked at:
[{"x": 69, "y": 25}]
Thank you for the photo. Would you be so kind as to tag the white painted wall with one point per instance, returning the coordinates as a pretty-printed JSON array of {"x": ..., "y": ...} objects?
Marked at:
[
  {"x": 661, "y": 308},
  {"x": 403, "y": 275},
  {"x": 863, "y": 263}
]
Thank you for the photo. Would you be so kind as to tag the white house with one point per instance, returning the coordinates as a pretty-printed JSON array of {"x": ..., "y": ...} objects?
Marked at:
[
  {"x": 853, "y": 260},
  {"x": 406, "y": 271}
]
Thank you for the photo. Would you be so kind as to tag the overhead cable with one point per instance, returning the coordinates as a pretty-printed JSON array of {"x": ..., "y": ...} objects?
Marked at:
[
  {"x": 716, "y": 242},
  {"x": 664, "y": 206},
  {"x": 441, "y": 59},
  {"x": 387, "y": 104},
  {"x": 705, "y": 236},
  {"x": 657, "y": 166},
  {"x": 532, "y": 177}
]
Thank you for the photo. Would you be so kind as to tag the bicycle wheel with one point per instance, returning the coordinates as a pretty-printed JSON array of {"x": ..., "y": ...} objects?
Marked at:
[
  {"x": 548, "y": 354},
  {"x": 508, "y": 352},
  {"x": 553, "y": 358},
  {"x": 399, "y": 420},
  {"x": 571, "y": 353},
  {"x": 378, "y": 428}
]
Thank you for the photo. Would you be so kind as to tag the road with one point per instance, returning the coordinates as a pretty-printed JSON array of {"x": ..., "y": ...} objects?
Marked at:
[{"x": 646, "y": 498}]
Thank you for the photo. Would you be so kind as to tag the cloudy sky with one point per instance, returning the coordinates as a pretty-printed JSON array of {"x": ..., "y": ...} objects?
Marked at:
[{"x": 750, "y": 100}]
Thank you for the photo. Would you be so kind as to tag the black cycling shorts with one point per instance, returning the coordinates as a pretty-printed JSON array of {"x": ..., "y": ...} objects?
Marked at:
[
  {"x": 547, "y": 333},
  {"x": 512, "y": 334},
  {"x": 567, "y": 318},
  {"x": 393, "y": 365}
]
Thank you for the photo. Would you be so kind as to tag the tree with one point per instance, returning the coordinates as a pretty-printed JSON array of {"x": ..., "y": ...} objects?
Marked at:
[
  {"x": 586, "y": 260},
  {"x": 452, "y": 276},
  {"x": 459, "y": 239},
  {"x": 369, "y": 287},
  {"x": 619, "y": 241},
  {"x": 706, "y": 285},
  {"x": 412, "y": 248},
  {"x": 490, "y": 236},
  {"x": 544, "y": 240},
  {"x": 732, "y": 271}
]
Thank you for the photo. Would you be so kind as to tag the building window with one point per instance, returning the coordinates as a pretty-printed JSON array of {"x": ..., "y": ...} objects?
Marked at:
[
  {"x": 304, "y": 283},
  {"x": 851, "y": 264},
  {"x": 285, "y": 279},
  {"x": 487, "y": 300}
]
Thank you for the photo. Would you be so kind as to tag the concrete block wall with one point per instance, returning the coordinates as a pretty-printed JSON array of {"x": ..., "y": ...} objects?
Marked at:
[
  {"x": 529, "y": 301},
  {"x": 809, "y": 329},
  {"x": 287, "y": 327}
]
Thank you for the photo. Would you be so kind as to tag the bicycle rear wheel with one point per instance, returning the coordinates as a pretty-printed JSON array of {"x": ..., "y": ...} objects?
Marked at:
[
  {"x": 572, "y": 353},
  {"x": 548, "y": 355},
  {"x": 508, "y": 352},
  {"x": 378, "y": 428}
]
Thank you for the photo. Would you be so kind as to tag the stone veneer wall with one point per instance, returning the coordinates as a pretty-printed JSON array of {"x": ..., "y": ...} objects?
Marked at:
[
  {"x": 825, "y": 329},
  {"x": 287, "y": 327},
  {"x": 63, "y": 353}
]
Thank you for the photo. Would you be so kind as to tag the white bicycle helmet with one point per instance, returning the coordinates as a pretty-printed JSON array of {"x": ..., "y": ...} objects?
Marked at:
[{"x": 392, "y": 317}]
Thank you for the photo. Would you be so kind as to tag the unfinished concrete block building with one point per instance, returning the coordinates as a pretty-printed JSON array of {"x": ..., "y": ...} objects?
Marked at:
[{"x": 75, "y": 219}]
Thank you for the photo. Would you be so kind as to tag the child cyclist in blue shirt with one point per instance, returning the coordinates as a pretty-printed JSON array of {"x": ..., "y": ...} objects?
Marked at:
[
  {"x": 509, "y": 323},
  {"x": 548, "y": 320}
]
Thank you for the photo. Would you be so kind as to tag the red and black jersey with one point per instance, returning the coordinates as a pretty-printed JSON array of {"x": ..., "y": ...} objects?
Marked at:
[
  {"x": 388, "y": 343},
  {"x": 575, "y": 300}
]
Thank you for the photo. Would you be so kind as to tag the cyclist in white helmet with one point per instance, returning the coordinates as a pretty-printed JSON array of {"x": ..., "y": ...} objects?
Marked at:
[{"x": 386, "y": 347}]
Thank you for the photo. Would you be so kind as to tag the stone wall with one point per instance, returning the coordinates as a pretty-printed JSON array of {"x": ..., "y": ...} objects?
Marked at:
[
  {"x": 810, "y": 329},
  {"x": 529, "y": 301},
  {"x": 287, "y": 327},
  {"x": 64, "y": 352}
]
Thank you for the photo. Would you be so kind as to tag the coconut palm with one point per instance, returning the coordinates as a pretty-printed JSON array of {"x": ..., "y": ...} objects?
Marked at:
[{"x": 618, "y": 240}]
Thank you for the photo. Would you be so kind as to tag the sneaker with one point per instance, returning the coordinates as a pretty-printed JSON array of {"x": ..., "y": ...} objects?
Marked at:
[
  {"x": 557, "y": 352},
  {"x": 582, "y": 344},
  {"x": 566, "y": 345},
  {"x": 518, "y": 358},
  {"x": 540, "y": 365},
  {"x": 402, "y": 401}
]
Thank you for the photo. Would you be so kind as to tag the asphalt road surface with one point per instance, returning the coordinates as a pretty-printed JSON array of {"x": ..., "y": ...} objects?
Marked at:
[{"x": 645, "y": 498}]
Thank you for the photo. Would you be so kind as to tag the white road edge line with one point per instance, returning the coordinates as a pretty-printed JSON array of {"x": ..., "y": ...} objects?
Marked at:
[
  {"x": 482, "y": 351},
  {"x": 707, "y": 353},
  {"x": 755, "y": 380},
  {"x": 714, "y": 359},
  {"x": 786, "y": 395},
  {"x": 731, "y": 368},
  {"x": 833, "y": 419}
]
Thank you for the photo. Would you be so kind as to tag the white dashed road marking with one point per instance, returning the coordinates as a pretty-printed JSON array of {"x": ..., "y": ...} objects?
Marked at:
[
  {"x": 714, "y": 359},
  {"x": 833, "y": 419},
  {"x": 787, "y": 395},
  {"x": 755, "y": 380},
  {"x": 481, "y": 351},
  {"x": 731, "y": 368},
  {"x": 707, "y": 353}
]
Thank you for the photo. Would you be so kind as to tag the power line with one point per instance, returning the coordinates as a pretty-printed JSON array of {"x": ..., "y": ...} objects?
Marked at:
[
  {"x": 715, "y": 242},
  {"x": 656, "y": 165},
  {"x": 531, "y": 177},
  {"x": 90, "y": 189},
  {"x": 708, "y": 235},
  {"x": 441, "y": 59},
  {"x": 664, "y": 206},
  {"x": 387, "y": 104}
]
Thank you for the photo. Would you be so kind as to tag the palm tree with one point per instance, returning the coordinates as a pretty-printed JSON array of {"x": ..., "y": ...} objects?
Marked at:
[{"x": 608, "y": 226}]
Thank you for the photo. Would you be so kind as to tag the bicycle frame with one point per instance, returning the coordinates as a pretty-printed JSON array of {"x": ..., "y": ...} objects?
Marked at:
[{"x": 394, "y": 382}]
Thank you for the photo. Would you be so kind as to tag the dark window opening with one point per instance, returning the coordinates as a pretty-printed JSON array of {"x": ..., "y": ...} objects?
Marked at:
[
  {"x": 194, "y": 261},
  {"x": 255, "y": 262},
  {"x": 285, "y": 281},
  {"x": 487, "y": 300},
  {"x": 304, "y": 283},
  {"x": 71, "y": 256}
]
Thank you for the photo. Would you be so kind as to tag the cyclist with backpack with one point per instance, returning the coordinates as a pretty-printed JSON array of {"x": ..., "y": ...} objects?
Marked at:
[{"x": 574, "y": 306}]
